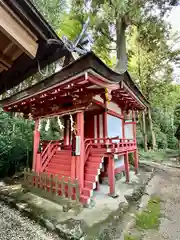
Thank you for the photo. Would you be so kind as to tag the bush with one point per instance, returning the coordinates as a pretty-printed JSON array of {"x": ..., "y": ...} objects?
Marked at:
[{"x": 16, "y": 136}]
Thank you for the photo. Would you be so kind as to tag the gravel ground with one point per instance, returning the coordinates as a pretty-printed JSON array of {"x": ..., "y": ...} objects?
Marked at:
[
  {"x": 14, "y": 227},
  {"x": 168, "y": 188}
]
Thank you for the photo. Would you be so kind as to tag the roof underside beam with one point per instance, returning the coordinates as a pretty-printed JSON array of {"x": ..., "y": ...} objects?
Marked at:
[{"x": 16, "y": 31}]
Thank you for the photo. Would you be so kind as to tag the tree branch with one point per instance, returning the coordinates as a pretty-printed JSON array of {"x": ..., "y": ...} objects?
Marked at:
[{"x": 106, "y": 35}]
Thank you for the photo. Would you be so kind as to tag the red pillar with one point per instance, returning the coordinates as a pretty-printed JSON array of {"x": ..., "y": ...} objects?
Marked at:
[
  {"x": 35, "y": 167},
  {"x": 136, "y": 160},
  {"x": 73, "y": 167},
  {"x": 134, "y": 124},
  {"x": 126, "y": 165},
  {"x": 111, "y": 176},
  {"x": 65, "y": 129},
  {"x": 105, "y": 132},
  {"x": 80, "y": 159},
  {"x": 105, "y": 127}
]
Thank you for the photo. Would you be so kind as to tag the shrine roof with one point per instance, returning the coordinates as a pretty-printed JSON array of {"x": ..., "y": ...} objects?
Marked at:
[
  {"x": 87, "y": 63},
  {"x": 23, "y": 42}
]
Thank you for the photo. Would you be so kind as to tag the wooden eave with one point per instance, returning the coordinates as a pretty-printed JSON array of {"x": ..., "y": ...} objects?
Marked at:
[
  {"x": 89, "y": 75},
  {"x": 23, "y": 42}
]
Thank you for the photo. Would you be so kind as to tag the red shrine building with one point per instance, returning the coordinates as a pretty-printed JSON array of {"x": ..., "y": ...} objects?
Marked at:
[{"x": 97, "y": 109}]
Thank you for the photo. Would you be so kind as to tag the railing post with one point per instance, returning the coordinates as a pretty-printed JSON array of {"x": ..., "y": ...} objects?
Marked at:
[
  {"x": 38, "y": 163},
  {"x": 80, "y": 159},
  {"x": 136, "y": 161},
  {"x": 111, "y": 176},
  {"x": 126, "y": 165},
  {"x": 36, "y": 144}
]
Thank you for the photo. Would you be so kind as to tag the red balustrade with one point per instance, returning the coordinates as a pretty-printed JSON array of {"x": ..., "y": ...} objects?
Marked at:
[
  {"x": 49, "y": 149},
  {"x": 114, "y": 145}
]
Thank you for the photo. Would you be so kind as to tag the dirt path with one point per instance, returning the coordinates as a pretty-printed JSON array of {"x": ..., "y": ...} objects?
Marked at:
[
  {"x": 13, "y": 227},
  {"x": 167, "y": 188}
]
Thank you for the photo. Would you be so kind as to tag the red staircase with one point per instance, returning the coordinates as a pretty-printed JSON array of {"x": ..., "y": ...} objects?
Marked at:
[
  {"x": 60, "y": 164},
  {"x": 92, "y": 169}
]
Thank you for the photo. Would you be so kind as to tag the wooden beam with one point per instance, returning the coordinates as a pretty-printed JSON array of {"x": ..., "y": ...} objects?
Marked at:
[
  {"x": 5, "y": 60},
  {"x": 8, "y": 47},
  {"x": 11, "y": 27},
  {"x": 3, "y": 66}
]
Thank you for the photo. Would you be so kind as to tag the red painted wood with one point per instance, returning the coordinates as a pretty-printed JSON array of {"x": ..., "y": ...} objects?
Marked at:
[
  {"x": 134, "y": 123},
  {"x": 88, "y": 184},
  {"x": 35, "y": 150},
  {"x": 38, "y": 163},
  {"x": 86, "y": 192},
  {"x": 90, "y": 177},
  {"x": 80, "y": 159},
  {"x": 105, "y": 130},
  {"x": 98, "y": 127},
  {"x": 126, "y": 165},
  {"x": 91, "y": 170},
  {"x": 111, "y": 176},
  {"x": 119, "y": 170},
  {"x": 73, "y": 167},
  {"x": 89, "y": 125},
  {"x": 115, "y": 114},
  {"x": 99, "y": 103},
  {"x": 136, "y": 161}
]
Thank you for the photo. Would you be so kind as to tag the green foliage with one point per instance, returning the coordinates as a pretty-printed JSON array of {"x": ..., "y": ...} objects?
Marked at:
[
  {"x": 53, "y": 11},
  {"x": 53, "y": 133},
  {"x": 139, "y": 137},
  {"x": 158, "y": 155},
  {"x": 129, "y": 237},
  {"x": 150, "y": 217},
  {"x": 15, "y": 144}
]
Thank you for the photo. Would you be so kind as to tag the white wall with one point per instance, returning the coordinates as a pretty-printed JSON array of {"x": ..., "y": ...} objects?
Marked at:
[
  {"x": 128, "y": 129},
  {"x": 114, "y": 126},
  {"x": 114, "y": 107},
  {"x": 98, "y": 129}
]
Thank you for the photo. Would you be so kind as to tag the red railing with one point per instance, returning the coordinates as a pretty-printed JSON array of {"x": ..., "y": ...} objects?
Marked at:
[
  {"x": 114, "y": 144},
  {"x": 48, "y": 153}
]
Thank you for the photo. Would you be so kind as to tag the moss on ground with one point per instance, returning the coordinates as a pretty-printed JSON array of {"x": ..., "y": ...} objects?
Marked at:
[
  {"x": 149, "y": 218},
  {"x": 129, "y": 237}
]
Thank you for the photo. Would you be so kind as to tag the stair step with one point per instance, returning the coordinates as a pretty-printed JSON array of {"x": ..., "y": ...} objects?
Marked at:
[
  {"x": 89, "y": 184},
  {"x": 95, "y": 159},
  {"x": 91, "y": 164},
  {"x": 91, "y": 177},
  {"x": 84, "y": 199},
  {"x": 87, "y": 192},
  {"x": 63, "y": 152},
  {"x": 94, "y": 171},
  {"x": 98, "y": 150},
  {"x": 66, "y": 167},
  {"x": 63, "y": 160}
]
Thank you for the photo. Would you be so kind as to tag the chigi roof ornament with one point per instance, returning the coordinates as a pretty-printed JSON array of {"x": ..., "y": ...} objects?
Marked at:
[{"x": 82, "y": 43}]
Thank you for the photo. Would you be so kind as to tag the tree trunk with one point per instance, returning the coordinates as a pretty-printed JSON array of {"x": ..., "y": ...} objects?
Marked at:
[
  {"x": 144, "y": 132},
  {"x": 121, "y": 65},
  {"x": 151, "y": 129}
]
